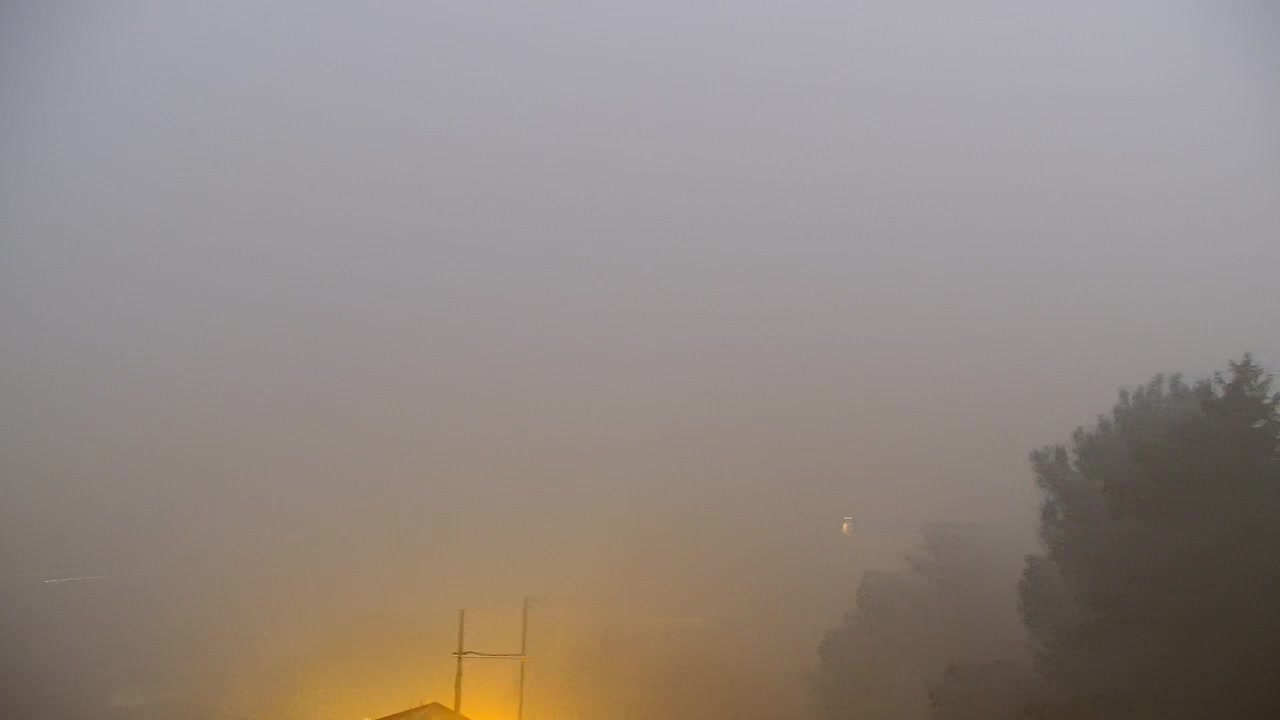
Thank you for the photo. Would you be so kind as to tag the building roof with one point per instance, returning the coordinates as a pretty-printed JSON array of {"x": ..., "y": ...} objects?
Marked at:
[{"x": 430, "y": 711}]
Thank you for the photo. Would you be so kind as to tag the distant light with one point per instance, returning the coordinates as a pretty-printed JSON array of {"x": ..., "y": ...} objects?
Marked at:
[{"x": 846, "y": 527}]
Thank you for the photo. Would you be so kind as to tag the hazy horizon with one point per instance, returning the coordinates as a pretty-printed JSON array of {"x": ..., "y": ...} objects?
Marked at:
[{"x": 475, "y": 301}]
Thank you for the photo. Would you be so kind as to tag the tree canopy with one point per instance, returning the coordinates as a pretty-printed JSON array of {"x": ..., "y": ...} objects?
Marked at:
[
  {"x": 953, "y": 604},
  {"x": 1158, "y": 592}
]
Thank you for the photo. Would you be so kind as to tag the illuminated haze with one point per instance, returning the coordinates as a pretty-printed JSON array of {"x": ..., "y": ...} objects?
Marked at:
[{"x": 342, "y": 316}]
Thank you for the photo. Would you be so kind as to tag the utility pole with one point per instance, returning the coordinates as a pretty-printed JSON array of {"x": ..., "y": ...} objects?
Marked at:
[
  {"x": 462, "y": 653},
  {"x": 457, "y": 673},
  {"x": 524, "y": 652}
]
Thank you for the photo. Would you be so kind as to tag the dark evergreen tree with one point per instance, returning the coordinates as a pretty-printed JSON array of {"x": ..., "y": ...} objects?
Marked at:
[{"x": 1158, "y": 592}]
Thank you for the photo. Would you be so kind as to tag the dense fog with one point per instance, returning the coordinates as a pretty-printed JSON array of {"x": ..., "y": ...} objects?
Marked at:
[{"x": 322, "y": 321}]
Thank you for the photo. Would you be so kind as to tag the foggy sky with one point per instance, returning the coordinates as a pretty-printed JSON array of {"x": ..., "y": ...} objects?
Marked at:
[{"x": 538, "y": 299}]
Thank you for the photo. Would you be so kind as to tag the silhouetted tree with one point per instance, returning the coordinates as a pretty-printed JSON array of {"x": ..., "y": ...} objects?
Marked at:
[
  {"x": 1158, "y": 591},
  {"x": 954, "y": 604},
  {"x": 998, "y": 690}
]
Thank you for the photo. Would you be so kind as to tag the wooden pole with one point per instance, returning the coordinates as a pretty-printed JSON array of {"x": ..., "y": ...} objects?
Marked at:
[
  {"x": 457, "y": 674},
  {"x": 524, "y": 652}
]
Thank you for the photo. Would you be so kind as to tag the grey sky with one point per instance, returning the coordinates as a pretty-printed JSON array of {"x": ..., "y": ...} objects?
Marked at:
[{"x": 575, "y": 273}]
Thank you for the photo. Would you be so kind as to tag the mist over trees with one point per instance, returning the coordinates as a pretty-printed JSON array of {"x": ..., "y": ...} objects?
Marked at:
[
  {"x": 953, "y": 603},
  {"x": 1156, "y": 594}
]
